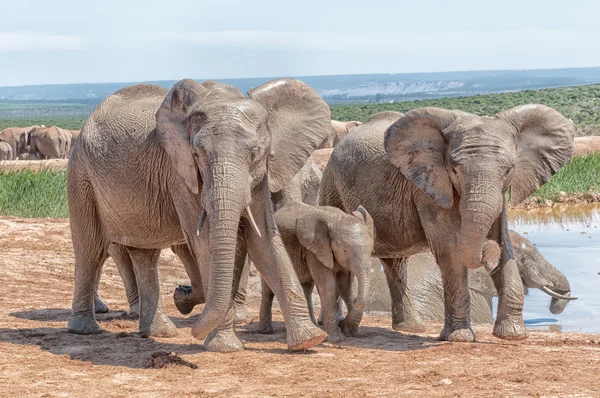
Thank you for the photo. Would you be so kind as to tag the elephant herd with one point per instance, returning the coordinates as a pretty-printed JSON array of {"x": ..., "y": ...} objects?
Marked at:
[
  {"x": 219, "y": 176},
  {"x": 36, "y": 143}
]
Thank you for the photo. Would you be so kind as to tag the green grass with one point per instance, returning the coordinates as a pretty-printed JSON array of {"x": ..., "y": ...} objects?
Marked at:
[
  {"x": 65, "y": 122},
  {"x": 43, "y": 194},
  {"x": 33, "y": 194},
  {"x": 580, "y": 175}
]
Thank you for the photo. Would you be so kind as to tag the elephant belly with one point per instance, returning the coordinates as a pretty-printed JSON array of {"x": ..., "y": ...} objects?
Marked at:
[{"x": 133, "y": 220}]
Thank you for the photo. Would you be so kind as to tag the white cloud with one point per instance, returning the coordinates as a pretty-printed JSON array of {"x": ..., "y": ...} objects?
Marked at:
[{"x": 27, "y": 41}]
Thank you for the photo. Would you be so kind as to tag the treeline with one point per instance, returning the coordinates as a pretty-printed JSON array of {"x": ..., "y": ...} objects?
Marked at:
[{"x": 581, "y": 104}]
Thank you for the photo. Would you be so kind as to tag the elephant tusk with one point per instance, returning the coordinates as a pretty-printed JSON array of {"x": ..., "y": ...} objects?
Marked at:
[
  {"x": 552, "y": 293},
  {"x": 252, "y": 222},
  {"x": 201, "y": 223}
]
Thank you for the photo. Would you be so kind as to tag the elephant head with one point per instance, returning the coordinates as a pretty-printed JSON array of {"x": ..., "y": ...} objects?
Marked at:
[
  {"x": 232, "y": 150},
  {"x": 25, "y": 139},
  {"x": 346, "y": 239},
  {"x": 453, "y": 155},
  {"x": 538, "y": 273}
]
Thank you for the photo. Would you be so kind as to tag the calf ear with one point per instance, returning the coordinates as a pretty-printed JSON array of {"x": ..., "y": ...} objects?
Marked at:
[
  {"x": 313, "y": 234},
  {"x": 363, "y": 214}
]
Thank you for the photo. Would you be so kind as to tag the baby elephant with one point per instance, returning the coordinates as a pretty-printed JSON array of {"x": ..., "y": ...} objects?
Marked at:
[{"x": 327, "y": 248}]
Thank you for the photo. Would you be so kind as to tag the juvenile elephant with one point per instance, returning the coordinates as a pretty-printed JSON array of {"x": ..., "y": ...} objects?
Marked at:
[
  {"x": 327, "y": 247},
  {"x": 437, "y": 179},
  {"x": 47, "y": 142},
  {"x": 424, "y": 281},
  {"x": 338, "y": 131},
  {"x": 195, "y": 165},
  {"x": 6, "y": 151}
]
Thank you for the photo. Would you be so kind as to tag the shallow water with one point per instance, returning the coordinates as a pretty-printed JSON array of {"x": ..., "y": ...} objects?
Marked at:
[{"x": 569, "y": 238}]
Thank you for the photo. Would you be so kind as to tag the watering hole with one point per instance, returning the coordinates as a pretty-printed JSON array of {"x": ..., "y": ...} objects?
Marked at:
[{"x": 569, "y": 237}]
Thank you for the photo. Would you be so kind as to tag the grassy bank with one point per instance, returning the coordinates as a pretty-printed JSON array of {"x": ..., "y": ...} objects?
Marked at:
[
  {"x": 33, "y": 194},
  {"x": 43, "y": 194}
]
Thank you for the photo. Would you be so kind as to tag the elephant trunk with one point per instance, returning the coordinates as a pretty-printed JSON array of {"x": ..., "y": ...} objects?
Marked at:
[
  {"x": 362, "y": 274},
  {"x": 481, "y": 203},
  {"x": 224, "y": 205}
]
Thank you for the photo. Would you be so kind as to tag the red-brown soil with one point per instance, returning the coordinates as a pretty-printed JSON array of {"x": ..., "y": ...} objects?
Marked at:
[{"x": 39, "y": 358}]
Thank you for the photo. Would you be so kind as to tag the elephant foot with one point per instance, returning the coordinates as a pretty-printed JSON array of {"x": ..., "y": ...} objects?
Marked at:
[
  {"x": 335, "y": 337},
  {"x": 305, "y": 337},
  {"x": 223, "y": 341},
  {"x": 161, "y": 326},
  {"x": 409, "y": 326},
  {"x": 265, "y": 328},
  {"x": 99, "y": 306},
  {"x": 185, "y": 299},
  {"x": 83, "y": 324},
  {"x": 457, "y": 335},
  {"x": 349, "y": 329},
  {"x": 510, "y": 329},
  {"x": 242, "y": 316},
  {"x": 341, "y": 319},
  {"x": 134, "y": 311}
]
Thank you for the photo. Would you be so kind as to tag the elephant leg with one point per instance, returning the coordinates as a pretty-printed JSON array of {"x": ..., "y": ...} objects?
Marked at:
[
  {"x": 265, "y": 324},
  {"x": 327, "y": 288},
  {"x": 88, "y": 264},
  {"x": 223, "y": 338},
  {"x": 352, "y": 320},
  {"x": 99, "y": 306},
  {"x": 340, "y": 312},
  {"x": 273, "y": 262},
  {"x": 124, "y": 265},
  {"x": 457, "y": 320},
  {"x": 242, "y": 315},
  {"x": 153, "y": 322},
  {"x": 405, "y": 318},
  {"x": 308, "y": 289},
  {"x": 507, "y": 279},
  {"x": 185, "y": 298}
]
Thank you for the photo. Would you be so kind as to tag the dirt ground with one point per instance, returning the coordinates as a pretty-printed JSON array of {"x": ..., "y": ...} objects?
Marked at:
[{"x": 39, "y": 358}]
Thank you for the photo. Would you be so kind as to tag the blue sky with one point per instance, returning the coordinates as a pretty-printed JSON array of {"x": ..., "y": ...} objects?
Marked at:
[{"x": 105, "y": 41}]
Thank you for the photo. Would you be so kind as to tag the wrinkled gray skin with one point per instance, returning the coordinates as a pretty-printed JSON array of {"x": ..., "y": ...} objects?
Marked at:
[
  {"x": 6, "y": 151},
  {"x": 327, "y": 248},
  {"x": 425, "y": 283},
  {"x": 47, "y": 142},
  {"x": 12, "y": 135},
  {"x": 436, "y": 180},
  {"x": 150, "y": 164},
  {"x": 337, "y": 132},
  {"x": 303, "y": 187}
]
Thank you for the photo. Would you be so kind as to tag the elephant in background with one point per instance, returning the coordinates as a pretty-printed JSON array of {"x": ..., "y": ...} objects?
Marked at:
[
  {"x": 338, "y": 131},
  {"x": 437, "y": 180},
  {"x": 74, "y": 136},
  {"x": 12, "y": 135},
  {"x": 424, "y": 282},
  {"x": 47, "y": 142},
  {"x": 6, "y": 151},
  {"x": 195, "y": 165}
]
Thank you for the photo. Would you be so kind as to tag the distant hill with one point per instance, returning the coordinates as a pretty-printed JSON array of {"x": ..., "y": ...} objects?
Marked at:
[
  {"x": 580, "y": 104},
  {"x": 349, "y": 88}
]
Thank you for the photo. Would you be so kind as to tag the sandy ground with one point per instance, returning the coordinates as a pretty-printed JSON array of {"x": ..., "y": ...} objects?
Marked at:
[{"x": 39, "y": 358}]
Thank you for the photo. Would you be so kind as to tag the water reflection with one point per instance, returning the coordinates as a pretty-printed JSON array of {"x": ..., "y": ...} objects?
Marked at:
[{"x": 569, "y": 238}]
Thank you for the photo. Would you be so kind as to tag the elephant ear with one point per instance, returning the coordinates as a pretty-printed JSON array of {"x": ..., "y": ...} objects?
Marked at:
[
  {"x": 172, "y": 131},
  {"x": 364, "y": 215},
  {"x": 544, "y": 141},
  {"x": 299, "y": 120},
  {"x": 415, "y": 144},
  {"x": 313, "y": 233}
]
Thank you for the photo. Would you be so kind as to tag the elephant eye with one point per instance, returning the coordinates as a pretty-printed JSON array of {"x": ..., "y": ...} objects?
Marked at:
[{"x": 254, "y": 154}]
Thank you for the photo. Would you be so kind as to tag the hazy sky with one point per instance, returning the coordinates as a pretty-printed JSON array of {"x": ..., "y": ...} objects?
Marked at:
[{"x": 74, "y": 41}]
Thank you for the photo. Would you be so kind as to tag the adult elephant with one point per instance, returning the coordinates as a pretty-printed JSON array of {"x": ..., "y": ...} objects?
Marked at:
[
  {"x": 437, "y": 179},
  {"x": 74, "y": 136},
  {"x": 47, "y": 142},
  {"x": 6, "y": 151},
  {"x": 12, "y": 136},
  {"x": 338, "y": 131},
  {"x": 424, "y": 281},
  {"x": 195, "y": 165}
]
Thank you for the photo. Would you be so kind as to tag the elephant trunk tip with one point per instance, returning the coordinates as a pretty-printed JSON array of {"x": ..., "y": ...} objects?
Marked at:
[
  {"x": 359, "y": 304},
  {"x": 488, "y": 256}
]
